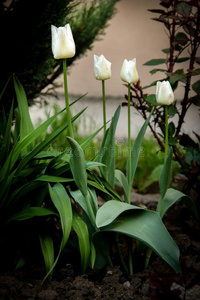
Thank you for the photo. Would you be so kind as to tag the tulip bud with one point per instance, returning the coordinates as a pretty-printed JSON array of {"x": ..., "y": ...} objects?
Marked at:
[
  {"x": 63, "y": 45},
  {"x": 129, "y": 72},
  {"x": 102, "y": 68},
  {"x": 164, "y": 93}
]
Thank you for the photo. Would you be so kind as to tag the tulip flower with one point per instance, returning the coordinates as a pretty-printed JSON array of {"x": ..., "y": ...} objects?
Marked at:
[
  {"x": 102, "y": 71},
  {"x": 129, "y": 72},
  {"x": 63, "y": 45},
  {"x": 165, "y": 96},
  {"x": 164, "y": 93},
  {"x": 102, "y": 68}
]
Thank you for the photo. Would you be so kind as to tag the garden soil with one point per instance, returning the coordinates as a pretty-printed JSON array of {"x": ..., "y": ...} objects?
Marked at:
[{"x": 158, "y": 281}]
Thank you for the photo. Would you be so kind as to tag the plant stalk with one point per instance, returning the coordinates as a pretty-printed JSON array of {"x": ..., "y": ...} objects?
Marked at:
[
  {"x": 67, "y": 99},
  {"x": 104, "y": 105},
  {"x": 129, "y": 132},
  {"x": 166, "y": 132}
]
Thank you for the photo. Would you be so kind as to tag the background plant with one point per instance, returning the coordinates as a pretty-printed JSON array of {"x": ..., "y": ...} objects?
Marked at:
[
  {"x": 26, "y": 27},
  {"x": 182, "y": 23}
]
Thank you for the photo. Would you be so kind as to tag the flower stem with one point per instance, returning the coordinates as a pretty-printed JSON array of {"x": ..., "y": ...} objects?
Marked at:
[
  {"x": 67, "y": 99},
  {"x": 166, "y": 131},
  {"x": 129, "y": 137},
  {"x": 104, "y": 105}
]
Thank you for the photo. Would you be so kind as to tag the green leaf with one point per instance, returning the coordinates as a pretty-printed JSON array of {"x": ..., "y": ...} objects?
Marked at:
[
  {"x": 184, "y": 9},
  {"x": 122, "y": 181},
  {"x": 62, "y": 203},
  {"x": 78, "y": 166},
  {"x": 112, "y": 210},
  {"x": 196, "y": 87},
  {"x": 182, "y": 59},
  {"x": 47, "y": 247},
  {"x": 48, "y": 178},
  {"x": 166, "y": 174},
  {"x": 26, "y": 125},
  {"x": 31, "y": 212},
  {"x": 81, "y": 230},
  {"x": 135, "y": 151},
  {"x": 151, "y": 99},
  {"x": 143, "y": 225},
  {"x": 156, "y": 61},
  {"x": 195, "y": 100},
  {"x": 80, "y": 199},
  {"x": 107, "y": 150},
  {"x": 156, "y": 70},
  {"x": 170, "y": 198}
]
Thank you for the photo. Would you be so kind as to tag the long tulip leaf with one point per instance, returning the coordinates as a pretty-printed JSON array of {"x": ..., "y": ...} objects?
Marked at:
[
  {"x": 78, "y": 166},
  {"x": 31, "y": 212},
  {"x": 170, "y": 198},
  {"x": 143, "y": 225},
  {"x": 106, "y": 153},
  {"x": 26, "y": 125},
  {"x": 81, "y": 230},
  {"x": 47, "y": 247},
  {"x": 62, "y": 203},
  {"x": 135, "y": 152}
]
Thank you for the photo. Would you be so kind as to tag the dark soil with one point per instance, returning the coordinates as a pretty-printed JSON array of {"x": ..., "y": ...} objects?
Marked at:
[{"x": 158, "y": 281}]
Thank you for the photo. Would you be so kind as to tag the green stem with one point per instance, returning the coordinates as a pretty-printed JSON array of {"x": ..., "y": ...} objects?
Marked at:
[
  {"x": 166, "y": 132},
  {"x": 67, "y": 99},
  {"x": 104, "y": 105},
  {"x": 129, "y": 140}
]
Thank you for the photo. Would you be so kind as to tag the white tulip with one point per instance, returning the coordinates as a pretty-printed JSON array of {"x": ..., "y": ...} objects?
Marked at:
[
  {"x": 164, "y": 93},
  {"x": 129, "y": 72},
  {"x": 102, "y": 68},
  {"x": 63, "y": 45}
]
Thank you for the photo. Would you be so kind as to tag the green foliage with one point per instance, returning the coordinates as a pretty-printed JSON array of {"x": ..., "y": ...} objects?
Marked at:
[
  {"x": 49, "y": 194},
  {"x": 181, "y": 21},
  {"x": 25, "y": 33}
]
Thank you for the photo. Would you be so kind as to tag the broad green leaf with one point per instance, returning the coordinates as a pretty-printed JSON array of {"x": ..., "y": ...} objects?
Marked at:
[
  {"x": 107, "y": 150},
  {"x": 47, "y": 247},
  {"x": 78, "y": 166},
  {"x": 166, "y": 175},
  {"x": 31, "y": 212},
  {"x": 156, "y": 61},
  {"x": 143, "y": 225},
  {"x": 111, "y": 210},
  {"x": 122, "y": 181},
  {"x": 170, "y": 198},
  {"x": 81, "y": 230}
]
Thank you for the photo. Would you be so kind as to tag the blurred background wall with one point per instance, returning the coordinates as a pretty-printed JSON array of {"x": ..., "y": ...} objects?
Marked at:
[{"x": 131, "y": 33}]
